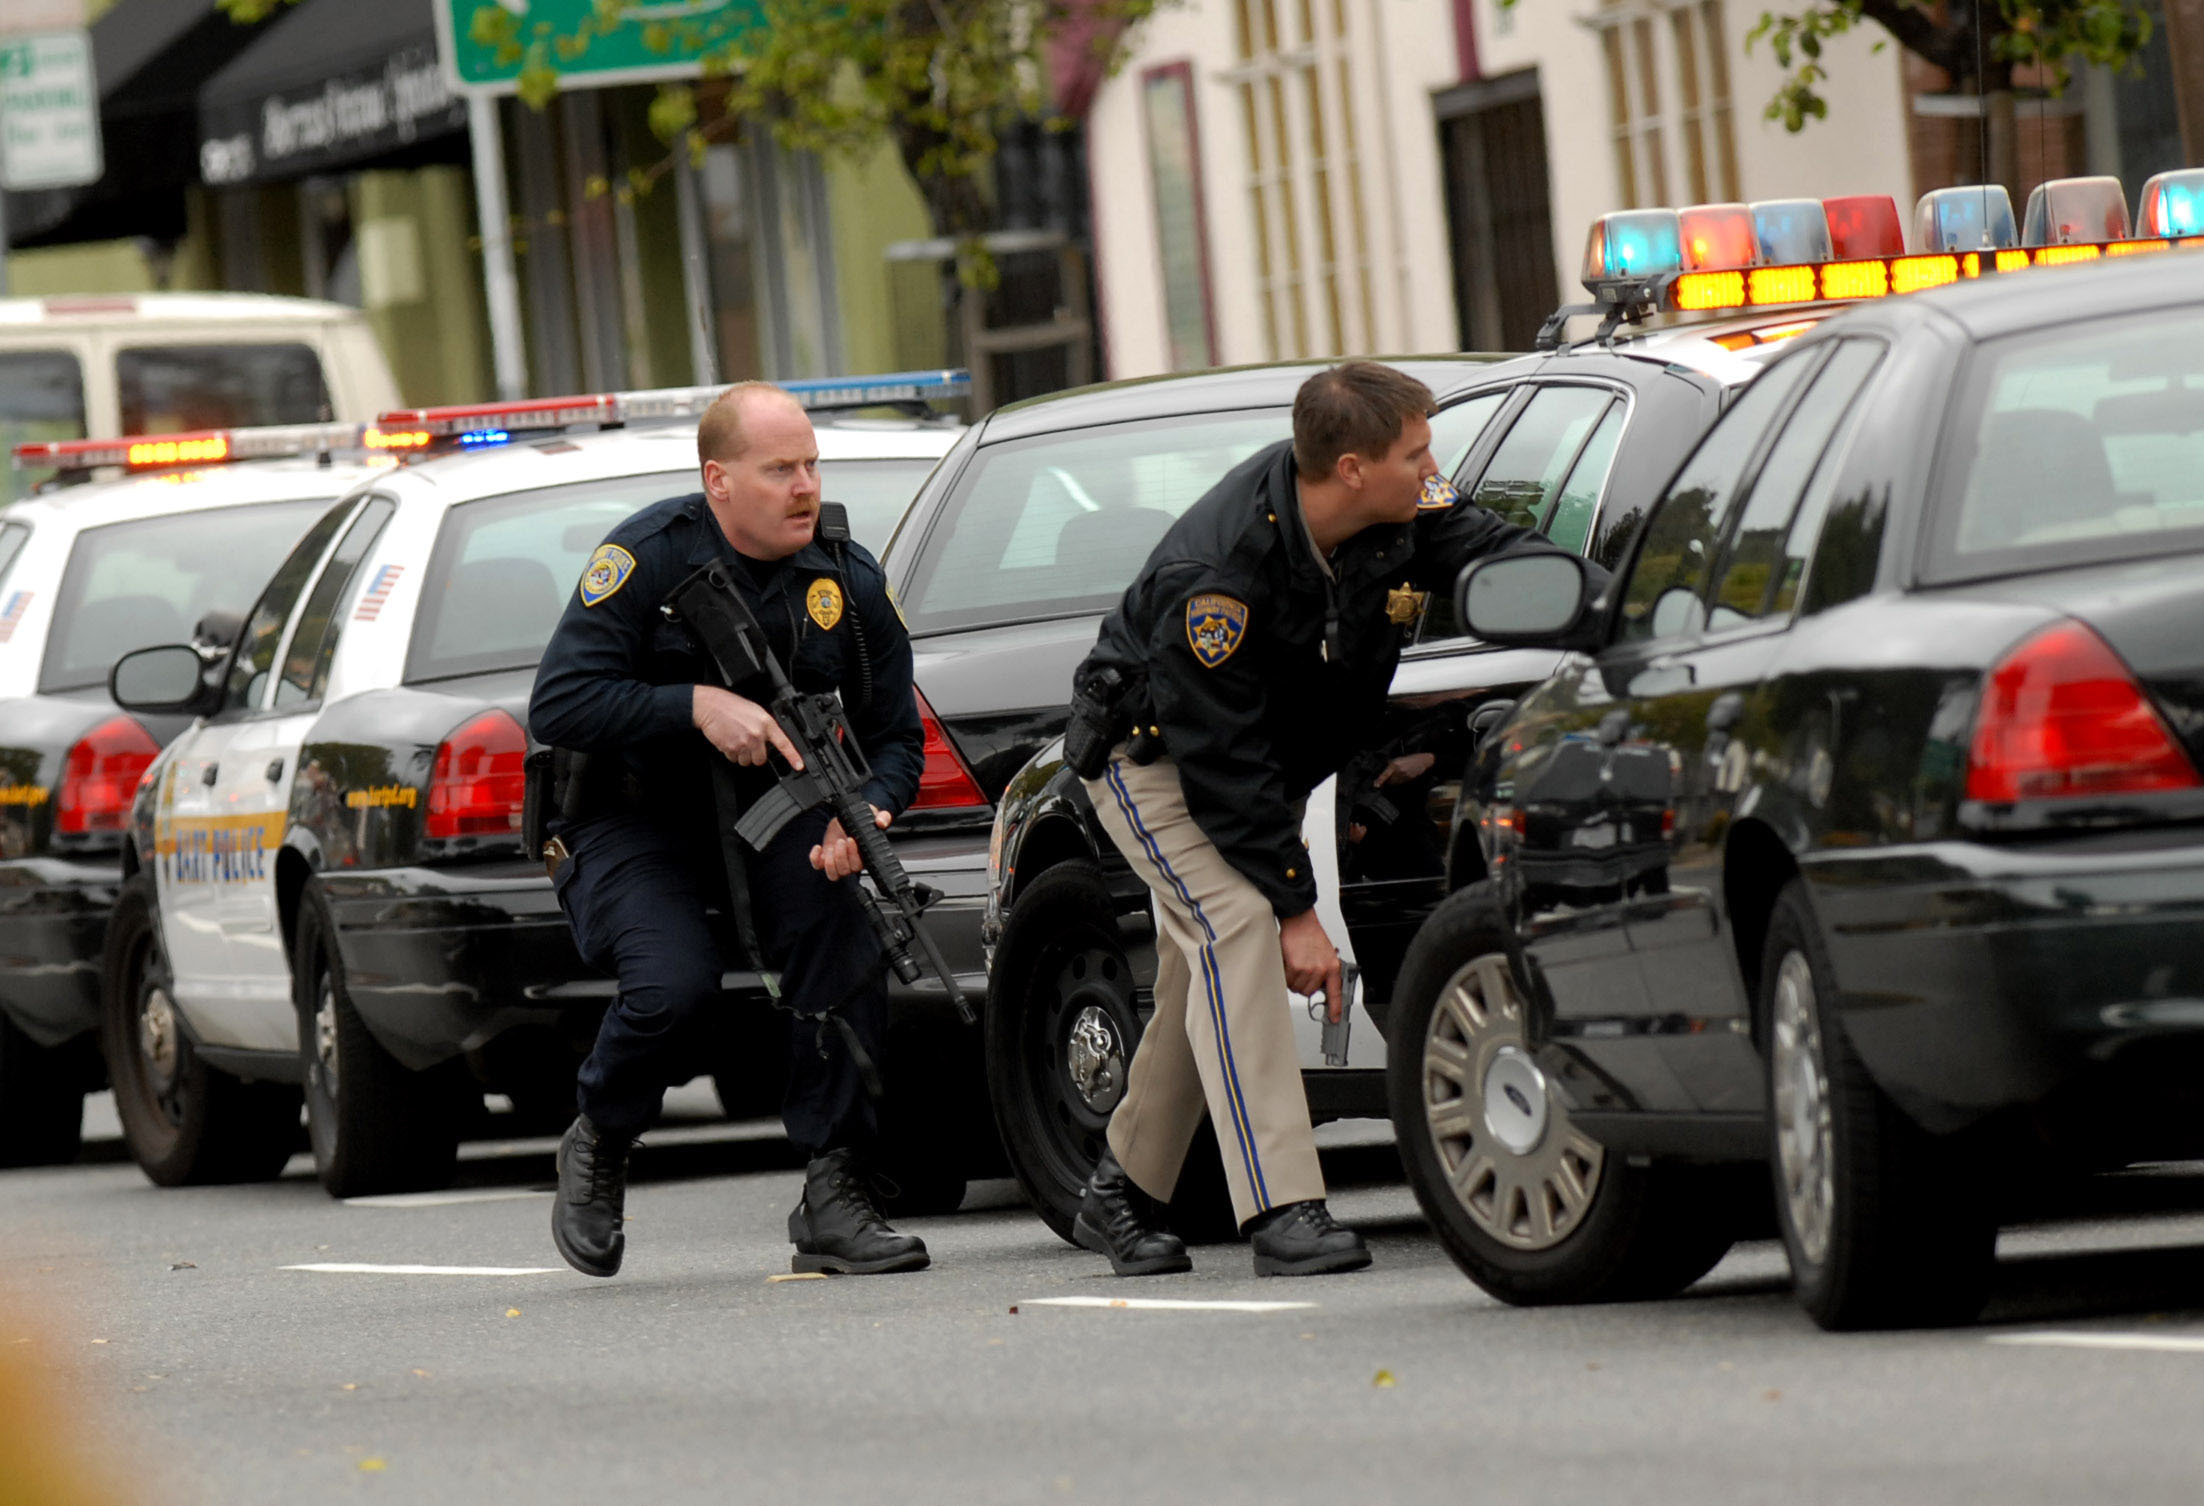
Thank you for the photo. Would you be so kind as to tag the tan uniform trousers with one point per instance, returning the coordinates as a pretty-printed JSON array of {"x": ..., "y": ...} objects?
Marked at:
[{"x": 1222, "y": 1037}]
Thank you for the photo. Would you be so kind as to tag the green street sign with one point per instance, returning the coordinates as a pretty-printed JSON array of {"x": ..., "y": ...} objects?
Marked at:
[{"x": 489, "y": 44}]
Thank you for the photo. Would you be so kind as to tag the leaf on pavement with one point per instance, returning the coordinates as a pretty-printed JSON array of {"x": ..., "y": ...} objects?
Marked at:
[{"x": 1383, "y": 1380}]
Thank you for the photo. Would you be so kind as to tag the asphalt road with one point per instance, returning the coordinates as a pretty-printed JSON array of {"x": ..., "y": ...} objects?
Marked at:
[{"x": 198, "y": 1366}]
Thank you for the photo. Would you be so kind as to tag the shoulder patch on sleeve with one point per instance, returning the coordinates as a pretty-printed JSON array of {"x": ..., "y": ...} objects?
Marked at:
[
  {"x": 1215, "y": 624},
  {"x": 1438, "y": 492},
  {"x": 609, "y": 569}
]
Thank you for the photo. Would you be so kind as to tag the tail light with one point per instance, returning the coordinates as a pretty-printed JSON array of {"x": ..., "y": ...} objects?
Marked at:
[
  {"x": 945, "y": 783},
  {"x": 100, "y": 776},
  {"x": 479, "y": 780},
  {"x": 2062, "y": 717}
]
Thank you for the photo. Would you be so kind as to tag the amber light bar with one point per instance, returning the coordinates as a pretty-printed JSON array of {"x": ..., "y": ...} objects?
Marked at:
[{"x": 1877, "y": 277}]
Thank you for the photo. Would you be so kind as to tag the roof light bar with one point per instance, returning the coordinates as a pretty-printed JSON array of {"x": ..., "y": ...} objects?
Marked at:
[
  {"x": 2172, "y": 204},
  {"x": 2062, "y": 211},
  {"x": 666, "y": 404},
  {"x": 1631, "y": 247},
  {"x": 1791, "y": 231},
  {"x": 1978, "y": 217},
  {"x": 1877, "y": 277},
  {"x": 1716, "y": 237},
  {"x": 200, "y": 447},
  {"x": 1863, "y": 224}
]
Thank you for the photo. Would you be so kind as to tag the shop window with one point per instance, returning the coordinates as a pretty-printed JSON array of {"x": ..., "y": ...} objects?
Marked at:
[
  {"x": 1182, "y": 235},
  {"x": 1674, "y": 86}
]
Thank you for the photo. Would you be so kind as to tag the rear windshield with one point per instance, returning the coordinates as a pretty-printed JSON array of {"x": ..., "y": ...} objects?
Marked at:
[
  {"x": 2078, "y": 444},
  {"x": 1059, "y": 524},
  {"x": 875, "y": 491},
  {"x": 164, "y": 388},
  {"x": 504, "y": 566},
  {"x": 134, "y": 585},
  {"x": 41, "y": 398}
]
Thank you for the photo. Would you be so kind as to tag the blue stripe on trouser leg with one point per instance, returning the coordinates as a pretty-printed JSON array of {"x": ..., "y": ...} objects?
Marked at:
[{"x": 1212, "y": 984}]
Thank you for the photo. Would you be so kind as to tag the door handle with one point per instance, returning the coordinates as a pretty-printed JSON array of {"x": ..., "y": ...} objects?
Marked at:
[
  {"x": 274, "y": 770},
  {"x": 208, "y": 774}
]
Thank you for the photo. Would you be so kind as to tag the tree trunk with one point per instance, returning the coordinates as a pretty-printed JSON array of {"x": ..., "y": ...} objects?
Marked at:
[{"x": 2185, "y": 41}]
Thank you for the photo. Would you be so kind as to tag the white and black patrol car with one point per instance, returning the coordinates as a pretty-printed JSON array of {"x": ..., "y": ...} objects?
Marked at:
[
  {"x": 325, "y": 878},
  {"x": 174, "y": 545}
]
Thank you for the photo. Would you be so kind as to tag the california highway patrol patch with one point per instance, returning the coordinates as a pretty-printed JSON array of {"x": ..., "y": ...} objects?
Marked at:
[
  {"x": 823, "y": 600},
  {"x": 609, "y": 569},
  {"x": 1214, "y": 627},
  {"x": 1438, "y": 492}
]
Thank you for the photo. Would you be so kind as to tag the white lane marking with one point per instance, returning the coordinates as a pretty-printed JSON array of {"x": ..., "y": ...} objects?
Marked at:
[
  {"x": 2166, "y": 1343},
  {"x": 1163, "y": 1304},
  {"x": 347, "y": 1268},
  {"x": 444, "y": 1199}
]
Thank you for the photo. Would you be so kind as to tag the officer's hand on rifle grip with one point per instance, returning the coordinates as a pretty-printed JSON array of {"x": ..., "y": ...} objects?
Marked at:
[
  {"x": 1312, "y": 962},
  {"x": 837, "y": 856},
  {"x": 739, "y": 727}
]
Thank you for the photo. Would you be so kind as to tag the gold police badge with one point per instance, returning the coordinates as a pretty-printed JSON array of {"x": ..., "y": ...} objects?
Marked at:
[
  {"x": 823, "y": 600},
  {"x": 1214, "y": 627},
  {"x": 608, "y": 571},
  {"x": 1404, "y": 604}
]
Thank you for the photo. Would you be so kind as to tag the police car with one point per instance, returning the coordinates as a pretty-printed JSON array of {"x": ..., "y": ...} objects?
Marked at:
[
  {"x": 325, "y": 886},
  {"x": 1575, "y": 440},
  {"x": 88, "y": 572}
]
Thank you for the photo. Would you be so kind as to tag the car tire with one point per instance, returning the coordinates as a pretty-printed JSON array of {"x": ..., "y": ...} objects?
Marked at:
[
  {"x": 1062, "y": 967},
  {"x": 375, "y": 1125},
  {"x": 1532, "y": 1209},
  {"x": 184, "y": 1122},
  {"x": 41, "y": 1100},
  {"x": 1886, "y": 1225}
]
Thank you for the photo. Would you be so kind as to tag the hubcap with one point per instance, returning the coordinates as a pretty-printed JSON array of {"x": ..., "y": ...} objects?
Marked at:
[
  {"x": 325, "y": 1039},
  {"x": 1522, "y": 1172},
  {"x": 1095, "y": 1058},
  {"x": 1805, "y": 1140},
  {"x": 157, "y": 1037}
]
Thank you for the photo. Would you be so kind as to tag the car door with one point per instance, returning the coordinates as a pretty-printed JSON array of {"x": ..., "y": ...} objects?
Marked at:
[{"x": 1701, "y": 622}]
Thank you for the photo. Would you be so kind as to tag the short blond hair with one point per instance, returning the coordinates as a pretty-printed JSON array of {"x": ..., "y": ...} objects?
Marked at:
[{"x": 719, "y": 434}]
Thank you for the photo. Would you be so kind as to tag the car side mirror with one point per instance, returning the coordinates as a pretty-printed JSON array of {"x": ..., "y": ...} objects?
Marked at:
[
  {"x": 1541, "y": 600},
  {"x": 170, "y": 679}
]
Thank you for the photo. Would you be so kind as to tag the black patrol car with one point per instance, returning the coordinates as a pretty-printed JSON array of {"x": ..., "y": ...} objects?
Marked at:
[{"x": 1860, "y": 832}]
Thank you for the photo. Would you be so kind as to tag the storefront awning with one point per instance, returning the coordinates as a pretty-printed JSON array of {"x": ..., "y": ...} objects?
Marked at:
[
  {"x": 150, "y": 57},
  {"x": 335, "y": 84}
]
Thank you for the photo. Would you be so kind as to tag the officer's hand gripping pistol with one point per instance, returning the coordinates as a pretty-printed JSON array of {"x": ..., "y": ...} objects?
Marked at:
[{"x": 833, "y": 775}]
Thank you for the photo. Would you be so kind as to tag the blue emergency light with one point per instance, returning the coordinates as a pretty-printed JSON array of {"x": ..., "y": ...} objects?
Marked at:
[
  {"x": 1631, "y": 247},
  {"x": 1978, "y": 217},
  {"x": 1790, "y": 231},
  {"x": 2173, "y": 204}
]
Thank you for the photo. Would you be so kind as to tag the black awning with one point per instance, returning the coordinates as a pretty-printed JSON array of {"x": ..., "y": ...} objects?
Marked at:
[
  {"x": 150, "y": 57},
  {"x": 334, "y": 84}
]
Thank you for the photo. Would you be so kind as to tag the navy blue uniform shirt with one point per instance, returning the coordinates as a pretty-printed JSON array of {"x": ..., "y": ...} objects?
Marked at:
[{"x": 616, "y": 677}]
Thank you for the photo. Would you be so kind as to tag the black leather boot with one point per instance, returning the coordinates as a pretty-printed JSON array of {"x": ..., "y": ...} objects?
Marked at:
[
  {"x": 593, "y": 1190},
  {"x": 837, "y": 1229},
  {"x": 1117, "y": 1219},
  {"x": 1302, "y": 1239}
]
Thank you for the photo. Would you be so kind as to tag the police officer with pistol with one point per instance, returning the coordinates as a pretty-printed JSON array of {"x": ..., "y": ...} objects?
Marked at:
[
  {"x": 660, "y": 749},
  {"x": 1236, "y": 674}
]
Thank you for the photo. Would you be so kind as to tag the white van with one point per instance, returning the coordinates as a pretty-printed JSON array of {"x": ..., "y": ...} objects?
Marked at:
[{"x": 161, "y": 363}]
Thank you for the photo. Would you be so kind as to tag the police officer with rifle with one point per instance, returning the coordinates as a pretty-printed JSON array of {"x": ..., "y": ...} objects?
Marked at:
[{"x": 729, "y": 701}]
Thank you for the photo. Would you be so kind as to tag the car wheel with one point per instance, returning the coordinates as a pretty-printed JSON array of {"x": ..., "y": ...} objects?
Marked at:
[
  {"x": 1530, "y": 1207},
  {"x": 1885, "y": 1224},
  {"x": 375, "y": 1125},
  {"x": 41, "y": 1100},
  {"x": 184, "y": 1122},
  {"x": 1062, "y": 1026}
]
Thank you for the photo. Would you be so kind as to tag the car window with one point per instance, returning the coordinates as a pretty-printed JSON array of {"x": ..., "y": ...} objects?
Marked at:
[
  {"x": 1760, "y": 545},
  {"x": 1569, "y": 524},
  {"x": 1663, "y": 598},
  {"x": 314, "y": 640},
  {"x": 41, "y": 398},
  {"x": 875, "y": 491},
  {"x": 1057, "y": 525},
  {"x": 503, "y": 568},
  {"x": 13, "y": 536},
  {"x": 164, "y": 388},
  {"x": 137, "y": 585},
  {"x": 256, "y": 645},
  {"x": 2078, "y": 443},
  {"x": 1526, "y": 471},
  {"x": 1454, "y": 430}
]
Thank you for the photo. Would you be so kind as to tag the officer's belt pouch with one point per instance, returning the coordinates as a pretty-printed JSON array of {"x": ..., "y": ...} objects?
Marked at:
[{"x": 536, "y": 799}]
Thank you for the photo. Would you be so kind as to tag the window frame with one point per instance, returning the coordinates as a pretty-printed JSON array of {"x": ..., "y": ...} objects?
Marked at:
[
  {"x": 340, "y": 607},
  {"x": 253, "y": 706}
]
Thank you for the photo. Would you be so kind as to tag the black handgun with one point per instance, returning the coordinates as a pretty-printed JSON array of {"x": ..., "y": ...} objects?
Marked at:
[{"x": 833, "y": 775}]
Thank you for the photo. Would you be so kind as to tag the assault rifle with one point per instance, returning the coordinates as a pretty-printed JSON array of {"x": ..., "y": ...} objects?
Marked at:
[{"x": 833, "y": 775}]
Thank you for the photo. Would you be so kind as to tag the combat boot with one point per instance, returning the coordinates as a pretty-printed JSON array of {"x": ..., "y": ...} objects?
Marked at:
[
  {"x": 592, "y": 1201},
  {"x": 836, "y": 1228},
  {"x": 1117, "y": 1219},
  {"x": 1303, "y": 1239}
]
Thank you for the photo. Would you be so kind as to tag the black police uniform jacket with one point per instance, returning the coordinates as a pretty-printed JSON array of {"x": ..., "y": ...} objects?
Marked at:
[
  {"x": 1222, "y": 639},
  {"x": 617, "y": 675}
]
